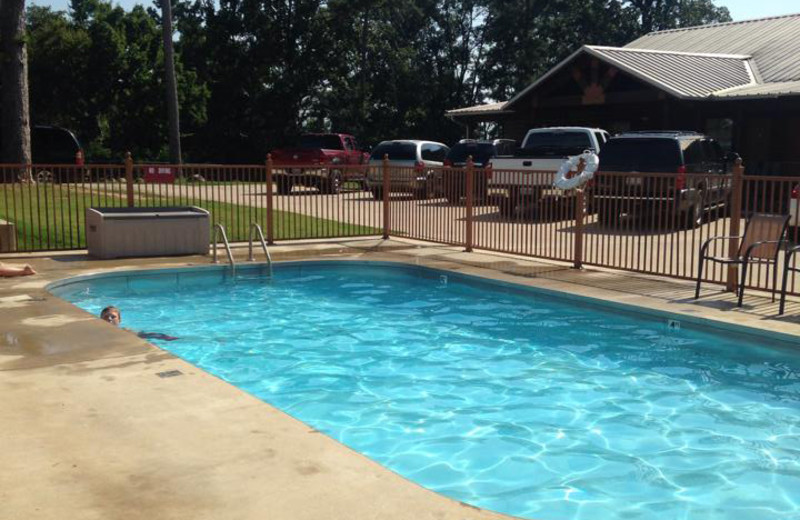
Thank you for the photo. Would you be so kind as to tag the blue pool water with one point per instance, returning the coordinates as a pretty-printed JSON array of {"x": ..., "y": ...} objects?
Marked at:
[{"x": 508, "y": 399}]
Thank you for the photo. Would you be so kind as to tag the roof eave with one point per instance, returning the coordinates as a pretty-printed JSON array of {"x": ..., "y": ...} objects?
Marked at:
[
  {"x": 453, "y": 113},
  {"x": 541, "y": 79},
  {"x": 593, "y": 51}
]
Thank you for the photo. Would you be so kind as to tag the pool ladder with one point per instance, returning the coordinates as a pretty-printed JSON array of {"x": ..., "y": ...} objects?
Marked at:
[
  {"x": 219, "y": 230},
  {"x": 255, "y": 227}
]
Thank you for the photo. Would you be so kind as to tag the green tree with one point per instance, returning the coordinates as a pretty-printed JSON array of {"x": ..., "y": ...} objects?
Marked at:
[
  {"x": 658, "y": 15},
  {"x": 99, "y": 71},
  {"x": 262, "y": 61}
]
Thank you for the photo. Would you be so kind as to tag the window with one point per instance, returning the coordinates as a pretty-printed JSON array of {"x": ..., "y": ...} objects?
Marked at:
[
  {"x": 641, "y": 155},
  {"x": 506, "y": 147},
  {"x": 556, "y": 143},
  {"x": 694, "y": 154},
  {"x": 439, "y": 152},
  {"x": 480, "y": 152},
  {"x": 427, "y": 152},
  {"x": 601, "y": 140},
  {"x": 317, "y": 142},
  {"x": 395, "y": 151},
  {"x": 348, "y": 144}
]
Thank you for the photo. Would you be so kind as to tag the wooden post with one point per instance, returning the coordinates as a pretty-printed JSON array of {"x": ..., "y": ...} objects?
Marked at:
[
  {"x": 129, "y": 178},
  {"x": 470, "y": 183},
  {"x": 736, "y": 216},
  {"x": 270, "y": 219},
  {"x": 386, "y": 223}
]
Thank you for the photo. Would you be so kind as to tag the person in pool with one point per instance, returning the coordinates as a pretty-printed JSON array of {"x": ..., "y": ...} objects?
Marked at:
[{"x": 112, "y": 315}]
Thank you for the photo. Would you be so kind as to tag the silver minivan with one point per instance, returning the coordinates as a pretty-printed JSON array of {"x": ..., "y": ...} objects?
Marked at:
[{"x": 414, "y": 167}]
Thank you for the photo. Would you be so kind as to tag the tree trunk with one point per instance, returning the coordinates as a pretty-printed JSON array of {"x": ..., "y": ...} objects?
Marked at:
[
  {"x": 171, "y": 84},
  {"x": 14, "y": 109}
]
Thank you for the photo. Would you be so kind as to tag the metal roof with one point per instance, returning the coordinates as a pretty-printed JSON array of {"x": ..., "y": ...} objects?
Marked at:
[
  {"x": 682, "y": 74},
  {"x": 774, "y": 43},
  {"x": 784, "y": 88},
  {"x": 490, "y": 108}
]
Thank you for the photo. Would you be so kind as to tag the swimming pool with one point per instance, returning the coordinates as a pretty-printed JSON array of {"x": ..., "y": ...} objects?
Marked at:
[{"x": 507, "y": 398}]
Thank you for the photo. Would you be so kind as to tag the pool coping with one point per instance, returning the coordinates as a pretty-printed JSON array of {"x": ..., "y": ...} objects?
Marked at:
[{"x": 59, "y": 373}]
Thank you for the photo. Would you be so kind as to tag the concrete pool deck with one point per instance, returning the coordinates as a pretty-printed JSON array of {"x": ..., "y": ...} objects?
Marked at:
[{"x": 91, "y": 428}]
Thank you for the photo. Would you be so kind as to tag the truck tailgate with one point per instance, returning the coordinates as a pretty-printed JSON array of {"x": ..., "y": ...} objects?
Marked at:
[{"x": 524, "y": 172}]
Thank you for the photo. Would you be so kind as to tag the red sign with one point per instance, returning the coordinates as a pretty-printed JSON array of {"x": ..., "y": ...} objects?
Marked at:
[{"x": 159, "y": 174}]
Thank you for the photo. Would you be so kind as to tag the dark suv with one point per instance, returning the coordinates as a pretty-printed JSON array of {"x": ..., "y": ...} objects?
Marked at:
[
  {"x": 693, "y": 176},
  {"x": 482, "y": 153}
]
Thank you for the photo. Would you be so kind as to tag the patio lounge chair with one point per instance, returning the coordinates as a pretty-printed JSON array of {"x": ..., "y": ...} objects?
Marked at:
[{"x": 761, "y": 243}]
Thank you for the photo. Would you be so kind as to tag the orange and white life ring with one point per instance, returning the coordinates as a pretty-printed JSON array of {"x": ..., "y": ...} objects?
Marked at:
[{"x": 591, "y": 163}]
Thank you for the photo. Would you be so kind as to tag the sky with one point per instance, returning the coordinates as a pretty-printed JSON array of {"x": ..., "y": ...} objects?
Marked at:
[{"x": 740, "y": 9}]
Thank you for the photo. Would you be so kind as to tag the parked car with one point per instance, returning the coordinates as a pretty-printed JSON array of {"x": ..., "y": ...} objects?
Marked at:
[
  {"x": 701, "y": 178},
  {"x": 414, "y": 167},
  {"x": 318, "y": 161},
  {"x": 482, "y": 152},
  {"x": 543, "y": 150}
]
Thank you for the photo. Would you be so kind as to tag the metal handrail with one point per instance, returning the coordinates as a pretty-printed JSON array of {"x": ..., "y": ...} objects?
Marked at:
[
  {"x": 220, "y": 229},
  {"x": 251, "y": 258}
]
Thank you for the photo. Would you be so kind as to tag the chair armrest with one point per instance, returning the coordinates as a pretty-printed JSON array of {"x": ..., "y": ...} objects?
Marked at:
[
  {"x": 761, "y": 243},
  {"x": 790, "y": 252},
  {"x": 712, "y": 239}
]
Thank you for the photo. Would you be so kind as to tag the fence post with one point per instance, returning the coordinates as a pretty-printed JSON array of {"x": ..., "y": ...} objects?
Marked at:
[
  {"x": 469, "y": 186},
  {"x": 270, "y": 220},
  {"x": 129, "y": 178},
  {"x": 580, "y": 210},
  {"x": 736, "y": 215},
  {"x": 386, "y": 223}
]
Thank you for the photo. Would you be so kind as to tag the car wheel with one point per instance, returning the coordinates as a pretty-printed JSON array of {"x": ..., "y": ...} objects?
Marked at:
[
  {"x": 284, "y": 186},
  {"x": 333, "y": 184}
]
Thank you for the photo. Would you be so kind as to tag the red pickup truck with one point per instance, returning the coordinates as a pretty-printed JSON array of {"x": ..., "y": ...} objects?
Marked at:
[{"x": 318, "y": 161}]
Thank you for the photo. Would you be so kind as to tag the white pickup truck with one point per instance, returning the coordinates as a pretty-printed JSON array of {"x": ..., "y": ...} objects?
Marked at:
[{"x": 530, "y": 172}]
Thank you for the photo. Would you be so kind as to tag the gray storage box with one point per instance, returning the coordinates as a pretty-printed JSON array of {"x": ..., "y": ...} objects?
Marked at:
[{"x": 121, "y": 232}]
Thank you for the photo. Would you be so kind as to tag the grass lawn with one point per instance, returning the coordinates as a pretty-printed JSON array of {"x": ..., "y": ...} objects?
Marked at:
[{"x": 51, "y": 216}]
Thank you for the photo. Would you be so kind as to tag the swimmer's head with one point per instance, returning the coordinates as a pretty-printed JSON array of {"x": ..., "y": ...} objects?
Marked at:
[{"x": 111, "y": 314}]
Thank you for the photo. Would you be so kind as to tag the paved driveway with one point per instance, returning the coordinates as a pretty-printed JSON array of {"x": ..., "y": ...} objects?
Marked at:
[{"x": 632, "y": 245}]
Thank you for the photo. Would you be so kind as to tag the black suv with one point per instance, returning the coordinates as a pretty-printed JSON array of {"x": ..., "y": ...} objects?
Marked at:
[
  {"x": 693, "y": 177},
  {"x": 482, "y": 153}
]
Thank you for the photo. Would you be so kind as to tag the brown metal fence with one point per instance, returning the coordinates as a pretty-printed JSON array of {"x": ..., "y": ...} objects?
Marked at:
[{"x": 649, "y": 223}]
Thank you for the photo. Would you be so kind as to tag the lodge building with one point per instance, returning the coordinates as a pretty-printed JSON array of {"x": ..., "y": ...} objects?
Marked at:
[{"x": 738, "y": 82}]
